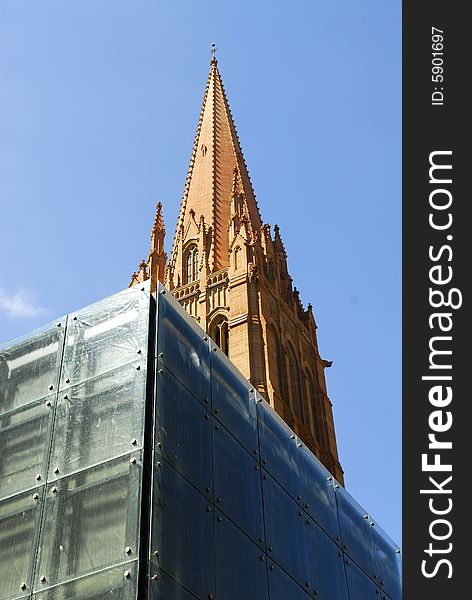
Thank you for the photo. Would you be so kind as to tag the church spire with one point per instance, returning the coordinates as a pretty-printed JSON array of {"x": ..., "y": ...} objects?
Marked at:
[
  {"x": 209, "y": 185},
  {"x": 157, "y": 256}
]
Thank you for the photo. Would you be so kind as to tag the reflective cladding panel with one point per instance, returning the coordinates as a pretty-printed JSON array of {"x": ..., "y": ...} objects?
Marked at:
[
  {"x": 183, "y": 431},
  {"x": 240, "y": 568},
  {"x": 98, "y": 419},
  {"x": 279, "y": 452},
  {"x": 233, "y": 400},
  {"x": 237, "y": 488},
  {"x": 325, "y": 563},
  {"x": 29, "y": 366},
  {"x": 285, "y": 530},
  {"x": 107, "y": 334},
  {"x": 283, "y": 587},
  {"x": 24, "y": 444},
  {"x": 182, "y": 538},
  {"x": 19, "y": 522},
  {"x": 356, "y": 531},
  {"x": 117, "y": 583},
  {"x": 387, "y": 563},
  {"x": 90, "y": 521},
  {"x": 359, "y": 585},
  {"x": 163, "y": 587},
  {"x": 317, "y": 493},
  {"x": 183, "y": 346}
]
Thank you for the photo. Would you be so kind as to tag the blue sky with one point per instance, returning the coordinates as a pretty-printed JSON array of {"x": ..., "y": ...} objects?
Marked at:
[{"x": 98, "y": 107}]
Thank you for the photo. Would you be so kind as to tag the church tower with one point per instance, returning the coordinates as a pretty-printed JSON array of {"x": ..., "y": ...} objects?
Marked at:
[{"x": 229, "y": 271}]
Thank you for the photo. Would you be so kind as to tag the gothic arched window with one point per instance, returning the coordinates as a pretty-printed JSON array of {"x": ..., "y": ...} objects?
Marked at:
[
  {"x": 295, "y": 387},
  {"x": 191, "y": 262},
  {"x": 219, "y": 333}
]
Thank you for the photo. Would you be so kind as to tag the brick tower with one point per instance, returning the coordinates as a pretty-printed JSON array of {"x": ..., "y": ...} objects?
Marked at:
[{"x": 229, "y": 271}]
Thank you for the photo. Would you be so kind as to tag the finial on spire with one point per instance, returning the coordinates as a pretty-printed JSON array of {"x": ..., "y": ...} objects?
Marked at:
[{"x": 213, "y": 52}]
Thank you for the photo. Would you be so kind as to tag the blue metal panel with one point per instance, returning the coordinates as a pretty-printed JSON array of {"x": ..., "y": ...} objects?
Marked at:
[
  {"x": 285, "y": 531},
  {"x": 183, "y": 347},
  {"x": 182, "y": 538},
  {"x": 233, "y": 401},
  {"x": 238, "y": 484},
  {"x": 317, "y": 491},
  {"x": 279, "y": 451},
  {"x": 240, "y": 566},
  {"x": 283, "y": 587},
  {"x": 183, "y": 431}
]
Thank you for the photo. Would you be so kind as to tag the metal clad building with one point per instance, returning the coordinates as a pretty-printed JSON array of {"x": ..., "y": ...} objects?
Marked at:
[{"x": 137, "y": 462}]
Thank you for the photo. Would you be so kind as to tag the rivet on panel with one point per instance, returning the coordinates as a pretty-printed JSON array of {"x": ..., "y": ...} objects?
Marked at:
[
  {"x": 133, "y": 461},
  {"x": 156, "y": 552},
  {"x": 217, "y": 426},
  {"x": 38, "y": 477},
  {"x": 23, "y": 586},
  {"x": 207, "y": 417},
  {"x": 49, "y": 403},
  {"x": 155, "y": 577},
  {"x": 54, "y": 490},
  {"x": 336, "y": 487},
  {"x": 163, "y": 292},
  {"x": 271, "y": 567},
  {"x": 43, "y": 579},
  {"x": 68, "y": 380},
  {"x": 51, "y": 387},
  {"x": 134, "y": 441},
  {"x": 138, "y": 367},
  {"x": 56, "y": 470},
  {"x": 127, "y": 574},
  {"x": 256, "y": 468},
  {"x": 161, "y": 371},
  {"x": 58, "y": 324},
  {"x": 65, "y": 397},
  {"x": 35, "y": 496},
  {"x": 208, "y": 508},
  {"x": 269, "y": 548},
  {"x": 74, "y": 318},
  {"x": 139, "y": 351},
  {"x": 161, "y": 354},
  {"x": 128, "y": 550},
  {"x": 261, "y": 557},
  {"x": 219, "y": 519}
]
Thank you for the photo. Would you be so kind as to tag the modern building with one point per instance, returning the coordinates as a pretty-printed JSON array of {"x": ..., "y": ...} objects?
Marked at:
[
  {"x": 137, "y": 462},
  {"x": 229, "y": 271}
]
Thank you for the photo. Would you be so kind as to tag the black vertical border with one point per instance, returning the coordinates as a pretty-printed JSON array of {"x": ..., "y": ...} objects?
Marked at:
[{"x": 426, "y": 129}]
